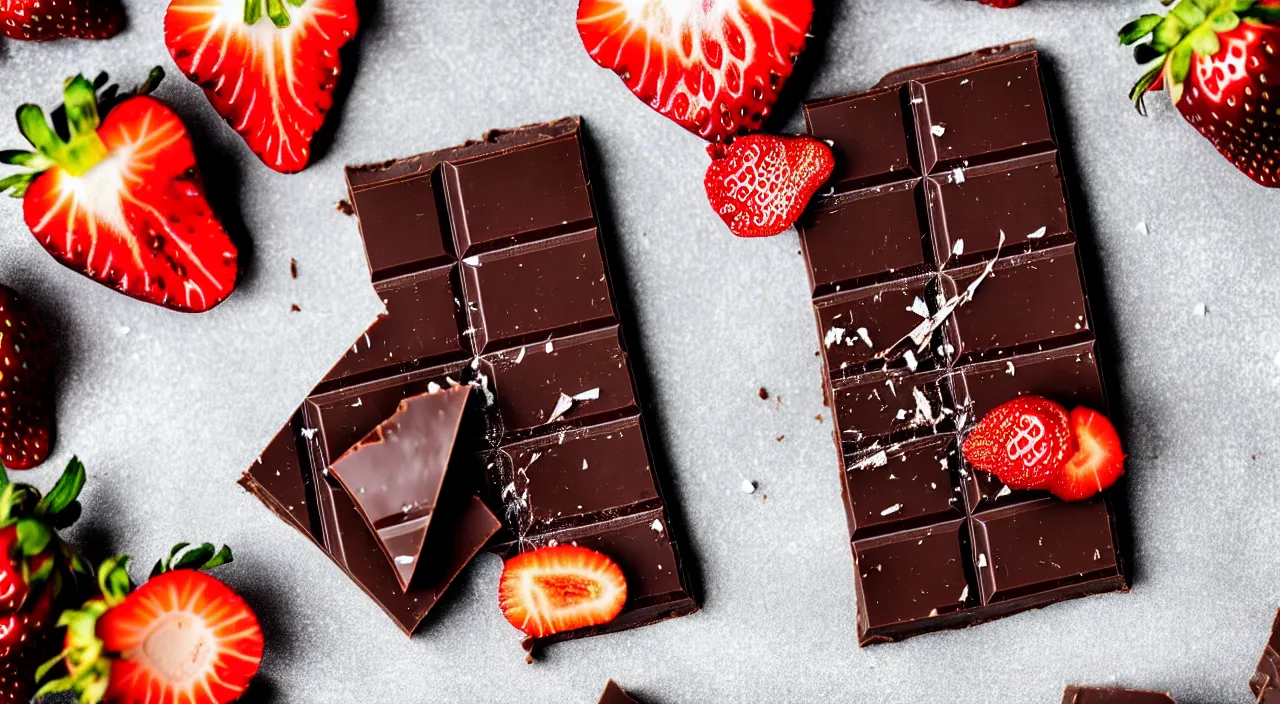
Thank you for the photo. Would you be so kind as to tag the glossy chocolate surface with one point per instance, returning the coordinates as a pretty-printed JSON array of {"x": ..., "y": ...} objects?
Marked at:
[
  {"x": 950, "y": 188},
  {"x": 491, "y": 264},
  {"x": 1266, "y": 680},
  {"x": 1111, "y": 695},
  {"x": 613, "y": 694}
]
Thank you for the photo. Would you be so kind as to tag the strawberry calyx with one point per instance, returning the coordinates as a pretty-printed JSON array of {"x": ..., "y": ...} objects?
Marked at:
[
  {"x": 86, "y": 658},
  {"x": 71, "y": 141},
  {"x": 39, "y": 555},
  {"x": 275, "y": 9},
  {"x": 1166, "y": 44}
]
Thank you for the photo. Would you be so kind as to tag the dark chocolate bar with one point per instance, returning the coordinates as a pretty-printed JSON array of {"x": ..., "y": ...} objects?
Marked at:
[
  {"x": 489, "y": 259},
  {"x": 613, "y": 694},
  {"x": 1112, "y": 695},
  {"x": 1266, "y": 681},
  {"x": 946, "y": 280}
]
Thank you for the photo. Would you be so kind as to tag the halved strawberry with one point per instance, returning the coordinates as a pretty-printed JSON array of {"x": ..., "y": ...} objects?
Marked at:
[
  {"x": 1023, "y": 442},
  {"x": 761, "y": 183},
  {"x": 1097, "y": 464},
  {"x": 118, "y": 197},
  {"x": 272, "y": 78},
  {"x": 182, "y": 637},
  {"x": 716, "y": 67},
  {"x": 560, "y": 588}
]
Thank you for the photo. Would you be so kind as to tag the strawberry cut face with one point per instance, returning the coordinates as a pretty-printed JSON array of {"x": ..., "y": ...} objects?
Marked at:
[
  {"x": 274, "y": 85},
  {"x": 716, "y": 67}
]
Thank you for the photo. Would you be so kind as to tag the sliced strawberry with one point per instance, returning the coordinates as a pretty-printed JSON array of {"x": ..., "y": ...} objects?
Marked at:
[
  {"x": 1097, "y": 464},
  {"x": 716, "y": 67},
  {"x": 760, "y": 184},
  {"x": 560, "y": 588},
  {"x": 182, "y": 637},
  {"x": 41, "y": 20},
  {"x": 1023, "y": 442},
  {"x": 121, "y": 200},
  {"x": 271, "y": 77},
  {"x": 26, "y": 386}
]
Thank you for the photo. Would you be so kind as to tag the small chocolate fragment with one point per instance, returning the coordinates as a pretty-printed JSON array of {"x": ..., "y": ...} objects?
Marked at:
[
  {"x": 1266, "y": 681},
  {"x": 613, "y": 694},
  {"x": 945, "y": 277},
  {"x": 395, "y": 475},
  {"x": 1112, "y": 695}
]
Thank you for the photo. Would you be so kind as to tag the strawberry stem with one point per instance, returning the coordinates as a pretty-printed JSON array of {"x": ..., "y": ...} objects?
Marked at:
[
  {"x": 278, "y": 14},
  {"x": 252, "y": 11}
]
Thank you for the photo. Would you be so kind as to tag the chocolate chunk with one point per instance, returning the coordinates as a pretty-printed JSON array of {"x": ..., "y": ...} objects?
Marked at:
[
  {"x": 613, "y": 694},
  {"x": 1266, "y": 681},
  {"x": 946, "y": 280},
  {"x": 489, "y": 259},
  {"x": 1111, "y": 695}
]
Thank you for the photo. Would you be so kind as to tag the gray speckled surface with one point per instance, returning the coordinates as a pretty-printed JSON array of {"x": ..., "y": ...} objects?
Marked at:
[{"x": 167, "y": 410}]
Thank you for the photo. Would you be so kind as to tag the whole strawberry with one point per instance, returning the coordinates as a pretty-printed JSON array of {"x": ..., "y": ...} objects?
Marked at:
[
  {"x": 26, "y": 392},
  {"x": 183, "y": 636},
  {"x": 716, "y": 67},
  {"x": 113, "y": 192},
  {"x": 39, "y": 573},
  {"x": 40, "y": 20},
  {"x": 1219, "y": 60},
  {"x": 269, "y": 67},
  {"x": 761, "y": 183}
]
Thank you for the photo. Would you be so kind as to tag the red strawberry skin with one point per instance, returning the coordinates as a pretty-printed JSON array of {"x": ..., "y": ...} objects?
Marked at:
[
  {"x": 1228, "y": 99},
  {"x": 1097, "y": 464},
  {"x": 761, "y": 183},
  {"x": 26, "y": 390},
  {"x": 716, "y": 67},
  {"x": 1024, "y": 442},
  {"x": 183, "y": 637},
  {"x": 42, "y": 20},
  {"x": 138, "y": 221},
  {"x": 26, "y": 627},
  {"x": 560, "y": 588},
  {"x": 1001, "y": 3},
  {"x": 273, "y": 85}
]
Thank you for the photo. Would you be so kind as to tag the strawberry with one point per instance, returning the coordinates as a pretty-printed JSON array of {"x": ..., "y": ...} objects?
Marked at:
[
  {"x": 560, "y": 588},
  {"x": 1023, "y": 442},
  {"x": 38, "y": 573},
  {"x": 26, "y": 391},
  {"x": 182, "y": 637},
  {"x": 272, "y": 78},
  {"x": 114, "y": 193},
  {"x": 760, "y": 184},
  {"x": 1097, "y": 464},
  {"x": 40, "y": 20},
  {"x": 1219, "y": 60},
  {"x": 1001, "y": 3},
  {"x": 716, "y": 67}
]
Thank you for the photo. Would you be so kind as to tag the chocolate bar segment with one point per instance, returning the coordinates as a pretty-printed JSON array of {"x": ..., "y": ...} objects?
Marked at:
[
  {"x": 946, "y": 280},
  {"x": 613, "y": 694},
  {"x": 1112, "y": 695},
  {"x": 495, "y": 278},
  {"x": 1266, "y": 681}
]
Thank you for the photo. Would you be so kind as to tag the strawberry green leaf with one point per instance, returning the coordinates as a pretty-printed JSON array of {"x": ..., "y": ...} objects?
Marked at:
[
  {"x": 1225, "y": 22},
  {"x": 1139, "y": 28},
  {"x": 4, "y": 476},
  {"x": 148, "y": 86},
  {"x": 1180, "y": 64},
  {"x": 222, "y": 558},
  {"x": 252, "y": 11},
  {"x": 1144, "y": 84},
  {"x": 1168, "y": 33},
  {"x": 296, "y": 3},
  {"x": 1204, "y": 41},
  {"x": 65, "y": 491},
  {"x": 1145, "y": 54},
  {"x": 1190, "y": 13},
  {"x": 278, "y": 14},
  {"x": 17, "y": 184},
  {"x": 34, "y": 127},
  {"x": 33, "y": 536}
]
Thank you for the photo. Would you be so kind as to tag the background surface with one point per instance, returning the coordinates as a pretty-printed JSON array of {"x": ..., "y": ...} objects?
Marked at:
[{"x": 167, "y": 410}]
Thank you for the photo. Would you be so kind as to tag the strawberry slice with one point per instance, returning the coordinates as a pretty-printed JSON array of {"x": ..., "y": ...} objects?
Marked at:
[
  {"x": 120, "y": 199},
  {"x": 716, "y": 67},
  {"x": 43, "y": 20},
  {"x": 760, "y": 184},
  {"x": 1024, "y": 442},
  {"x": 1097, "y": 464},
  {"x": 181, "y": 637},
  {"x": 560, "y": 588},
  {"x": 26, "y": 385},
  {"x": 272, "y": 78}
]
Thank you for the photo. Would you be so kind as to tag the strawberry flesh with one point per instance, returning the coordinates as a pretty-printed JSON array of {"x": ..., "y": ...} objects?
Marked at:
[
  {"x": 1097, "y": 464},
  {"x": 273, "y": 85},
  {"x": 560, "y": 588},
  {"x": 761, "y": 183},
  {"x": 715, "y": 67},
  {"x": 43, "y": 20},
  {"x": 26, "y": 389},
  {"x": 1024, "y": 442}
]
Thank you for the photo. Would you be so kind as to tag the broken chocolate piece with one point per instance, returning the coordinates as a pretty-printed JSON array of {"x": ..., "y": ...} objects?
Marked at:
[
  {"x": 613, "y": 694},
  {"x": 1266, "y": 681},
  {"x": 1113, "y": 695}
]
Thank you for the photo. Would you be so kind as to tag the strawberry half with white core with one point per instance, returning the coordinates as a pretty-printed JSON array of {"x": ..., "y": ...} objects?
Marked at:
[
  {"x": 113, "y": 192},
  {"x": 38, "y": 572},
  {"x": 761, "y": 183},
  {"x": 182, "y": 637},
  {"x": 560, "y": 588},
  {"x": 268, "y": 66},
  {"x": 716, "y": 67},
  {"x": 1220, "y": 61}
]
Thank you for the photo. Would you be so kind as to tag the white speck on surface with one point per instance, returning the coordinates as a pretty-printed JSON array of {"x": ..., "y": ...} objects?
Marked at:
[
  {"x": 432, "y": 387},
  {"x": 520, "y": 355},
  {"x": 879, "y": 459},
  {"x": 964, "y": 593},
  {"x": 910, "y": 358},
  {"x": 748, "y": 486},
  {"x": 472, "y": 261},
  {"x": 892, "y": 509},
  {"x": 956, "y": 250},
  {"x": 833, "y": 336},
  {"x": 584, "y": 464},
  {"x": 1201, "y": 310},
  {"x": 1142, "y": 228},
  {"x": 549, "y": 347},
  {"x": 938, "y": 130},
  {"x": 404, "y": 559},
  {"x": 1010, "y": 369},
  {"x": 957, "y": 176},
  {"x": 588, "y": 395},
  {"x": 657, "y": 526},
  {"x": 866, "y": 336},
  {"x": 1004, "y": 491},
  {"x": 1037, "y": 234},
  {"x": 122, "y": 330},
  {"x": 919, "y": 307},
  {"x": 563, "y": 404},
  {"x": 982, "y": 559}
]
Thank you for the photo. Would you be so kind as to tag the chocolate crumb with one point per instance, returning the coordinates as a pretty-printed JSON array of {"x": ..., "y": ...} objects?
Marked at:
[
  {"x": 777, "y": 401},
  {"x": 345, "y": 207},
  {"x": 780, "y": 437},
  {"x": 764, "y": 497},
  {"x": 764, "y": 394},
  {"x": 293, "y": 267},
  {"x": 295, "y": 308},
  {"x": 818, "y": 417}
]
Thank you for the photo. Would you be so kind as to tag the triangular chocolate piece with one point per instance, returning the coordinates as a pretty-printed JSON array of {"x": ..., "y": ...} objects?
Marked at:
[{"x": 395, "y": 474}]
